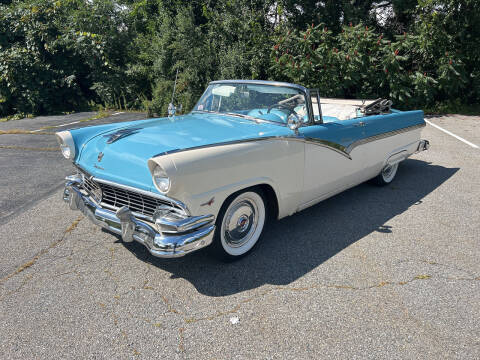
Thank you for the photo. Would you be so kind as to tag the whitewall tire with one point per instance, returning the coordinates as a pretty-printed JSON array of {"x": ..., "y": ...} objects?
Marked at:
[
  {"x": 239, "y": 225},
  {"x": 387, "y": 175}
]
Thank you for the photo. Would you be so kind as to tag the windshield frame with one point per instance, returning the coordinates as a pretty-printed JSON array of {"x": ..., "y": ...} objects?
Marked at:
[{"x": 304, "y": 91}]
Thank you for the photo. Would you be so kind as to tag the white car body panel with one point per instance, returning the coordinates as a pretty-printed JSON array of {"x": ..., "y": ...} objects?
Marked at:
[
  {"x": 300, "y": 172},
  {"x": 218, "y": 171}
]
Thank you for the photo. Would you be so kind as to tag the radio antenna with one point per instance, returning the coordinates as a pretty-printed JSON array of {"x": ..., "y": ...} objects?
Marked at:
[
  {"x": 171, "y": 108},
  {"x": 174, "y": 86}
]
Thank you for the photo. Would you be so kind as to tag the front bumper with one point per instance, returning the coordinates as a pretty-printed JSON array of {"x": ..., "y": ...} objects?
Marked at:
[{"x": 181, "y": 236}]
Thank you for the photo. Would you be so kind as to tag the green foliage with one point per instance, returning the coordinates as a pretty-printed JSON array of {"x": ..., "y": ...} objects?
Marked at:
[
  {"x": 57, "y": 55},
  {"x": 204, "y": 42},
  {"x": 360, "y": 63},
  {"x": 64, "y": 55}
]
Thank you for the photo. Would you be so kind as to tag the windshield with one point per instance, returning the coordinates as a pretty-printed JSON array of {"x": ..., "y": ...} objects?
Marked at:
[{"x": 265, "y": 102}]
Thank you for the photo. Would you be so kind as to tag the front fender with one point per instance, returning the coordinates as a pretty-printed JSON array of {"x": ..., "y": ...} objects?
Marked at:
[{"x": 198, "y": 175}]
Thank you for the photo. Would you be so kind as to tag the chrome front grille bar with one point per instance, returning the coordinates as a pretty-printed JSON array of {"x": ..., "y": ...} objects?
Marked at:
[
  {"x": 170, "y": 234},
  {"x": 115, "y": 196}
]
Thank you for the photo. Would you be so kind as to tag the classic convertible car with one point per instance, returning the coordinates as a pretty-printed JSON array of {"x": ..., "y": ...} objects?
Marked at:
[{"x": 248, "y": 151}]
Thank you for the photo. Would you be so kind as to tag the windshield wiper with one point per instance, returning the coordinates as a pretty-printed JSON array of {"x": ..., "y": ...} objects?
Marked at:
[
  {"x": 243, "y": 116},
  {"x": 230, "y": 114}
]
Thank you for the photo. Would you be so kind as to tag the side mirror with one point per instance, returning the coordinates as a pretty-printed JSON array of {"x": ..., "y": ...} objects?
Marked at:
[{"x": 294, "y": 121}]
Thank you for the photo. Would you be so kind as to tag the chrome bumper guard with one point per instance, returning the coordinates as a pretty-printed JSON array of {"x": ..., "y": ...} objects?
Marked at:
[
  {"x": 423, "y": 145},
  {"x": 177, "y": 237}
]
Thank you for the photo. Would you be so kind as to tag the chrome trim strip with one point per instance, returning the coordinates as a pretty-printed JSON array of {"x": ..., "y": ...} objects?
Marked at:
[
  {"x": 345, "y": 151},
  {"x": 353, "y": 145},
  {"x": 397, "y": 157},
  {"x": 329, "y": 145},
  {"x": 324, "y": 143},
  {"x": 223, "y": 143},
  {"x": 261, "y": 82}
]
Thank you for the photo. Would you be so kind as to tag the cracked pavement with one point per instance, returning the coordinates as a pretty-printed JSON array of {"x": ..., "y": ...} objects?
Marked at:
[{"x": 373, "y": 272}]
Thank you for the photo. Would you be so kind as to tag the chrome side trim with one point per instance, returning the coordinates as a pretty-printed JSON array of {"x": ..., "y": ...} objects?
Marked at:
[
  {"x": 397, "y": 157},
  {"x": 223, "y": 143},
  {"x": 345, "y": 151},
  {"x": 353, "y": 145},
  {"x": 329, "y": 145},
  {"x": 324, "y": 143}
]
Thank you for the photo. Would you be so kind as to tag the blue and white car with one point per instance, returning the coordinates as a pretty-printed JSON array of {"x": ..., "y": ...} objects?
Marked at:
[{"x": 249, "y": 151}]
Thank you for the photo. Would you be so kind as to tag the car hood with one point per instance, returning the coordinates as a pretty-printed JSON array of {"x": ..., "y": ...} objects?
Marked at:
[{"x": 121, "y": 154}]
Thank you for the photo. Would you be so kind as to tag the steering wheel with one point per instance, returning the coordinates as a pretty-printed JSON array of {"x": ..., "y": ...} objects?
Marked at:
[{"x": 280, "y": 106}]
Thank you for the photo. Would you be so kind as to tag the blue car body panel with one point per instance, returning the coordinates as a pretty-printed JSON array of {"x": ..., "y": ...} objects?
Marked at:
[
  {"x": 125, "y": 160},
  {"x": 346, "y": 132}
]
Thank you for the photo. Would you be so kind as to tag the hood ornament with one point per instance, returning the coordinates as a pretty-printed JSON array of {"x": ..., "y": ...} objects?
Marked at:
[
  {"x": 100, "y": 156},
  {"x": 120, "y": 134}
]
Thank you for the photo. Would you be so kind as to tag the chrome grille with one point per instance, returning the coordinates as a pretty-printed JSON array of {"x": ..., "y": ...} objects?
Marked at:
[
  {"x": 114, "y": 197},
  {"x": 92, "y": 188},
  {"x": 139, "y": 203}
]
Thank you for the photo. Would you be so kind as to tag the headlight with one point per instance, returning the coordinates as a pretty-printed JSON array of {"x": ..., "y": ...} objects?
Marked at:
[
  {"x": 65, "y": 150},
  {"x": 67, "y": 145},
  {"x": 161, "y": 180}
]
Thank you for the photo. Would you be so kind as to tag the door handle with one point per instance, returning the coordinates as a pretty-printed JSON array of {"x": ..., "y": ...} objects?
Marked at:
[{"x": 360, "y": 123}]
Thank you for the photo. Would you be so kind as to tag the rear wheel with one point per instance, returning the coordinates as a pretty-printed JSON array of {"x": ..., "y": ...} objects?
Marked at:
[
  {"x": 240, "y": 224},
  {"x": 386, "y": 176}
]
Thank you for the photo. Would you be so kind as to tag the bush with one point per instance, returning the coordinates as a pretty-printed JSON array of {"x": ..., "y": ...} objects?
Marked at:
[
  {"x": 64, "y": 55},
  {"x": 360, "y": 63},
  {"x": 53, "y": 59}
]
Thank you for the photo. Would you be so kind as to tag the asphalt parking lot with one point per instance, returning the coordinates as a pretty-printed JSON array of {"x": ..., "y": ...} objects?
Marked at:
[{"x": 373, "y": 272}]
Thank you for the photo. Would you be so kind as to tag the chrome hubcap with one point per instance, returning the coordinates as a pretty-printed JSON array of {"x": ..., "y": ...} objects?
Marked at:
[{"x": 240, "y": 223}]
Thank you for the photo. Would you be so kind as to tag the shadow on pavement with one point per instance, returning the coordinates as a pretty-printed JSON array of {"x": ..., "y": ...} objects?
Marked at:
[{"x": 294, "y": 246}]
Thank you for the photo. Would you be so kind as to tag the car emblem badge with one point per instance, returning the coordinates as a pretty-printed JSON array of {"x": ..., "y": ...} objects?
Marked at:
[{"x": 100, "y": 156}]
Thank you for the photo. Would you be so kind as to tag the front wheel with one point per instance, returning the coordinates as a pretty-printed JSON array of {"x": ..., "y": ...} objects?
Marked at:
[
  {"x": 386, "y": 176},
  {"x": 239, "y": 225}
]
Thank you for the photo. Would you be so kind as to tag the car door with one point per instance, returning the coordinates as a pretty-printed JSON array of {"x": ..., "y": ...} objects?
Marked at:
[{"x": 329, "y": 167}]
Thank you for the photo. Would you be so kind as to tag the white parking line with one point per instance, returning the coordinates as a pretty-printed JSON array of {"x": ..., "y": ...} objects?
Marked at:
[
  {"x": 452, "y": 134},
  {"x": 56, "y": 126}
]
